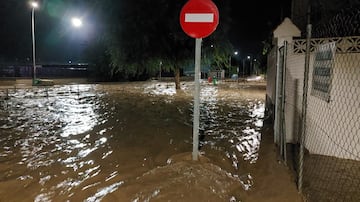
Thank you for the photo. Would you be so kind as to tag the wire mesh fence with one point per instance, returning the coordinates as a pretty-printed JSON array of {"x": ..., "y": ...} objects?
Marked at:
[
  {"x": 331, "y": 166},
  {"x": 332, "y": 133},
  {"x": 330, "y": 169}
]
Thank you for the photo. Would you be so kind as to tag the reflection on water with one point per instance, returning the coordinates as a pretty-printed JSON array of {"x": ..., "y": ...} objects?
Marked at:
[
  {"x": 160, "y": 89},
  {"x": 232, "y": 123},
  {"x": 83, "y": 142},
  {"x": 232, "y": 126},
  {"x": 47, "y": 133}
]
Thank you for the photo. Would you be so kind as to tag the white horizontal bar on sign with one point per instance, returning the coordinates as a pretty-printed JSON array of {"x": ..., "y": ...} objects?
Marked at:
[{"x": 199, "y": 17}]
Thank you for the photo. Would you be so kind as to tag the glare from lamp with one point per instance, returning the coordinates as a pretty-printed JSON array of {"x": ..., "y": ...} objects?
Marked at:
[
  {"x": 34, "y": 4},
  {"x": 76, "y": 22}
]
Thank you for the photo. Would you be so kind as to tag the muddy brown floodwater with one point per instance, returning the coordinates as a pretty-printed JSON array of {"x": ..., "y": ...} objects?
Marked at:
[{"x": 133, "y": 142}]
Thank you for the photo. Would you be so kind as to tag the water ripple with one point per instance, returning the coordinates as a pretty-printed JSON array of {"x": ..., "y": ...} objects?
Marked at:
[{"x": 82, "y": 142}]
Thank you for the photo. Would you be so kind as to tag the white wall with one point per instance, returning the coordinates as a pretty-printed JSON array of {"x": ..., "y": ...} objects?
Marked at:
[
  {"x": 294, "y": 75},
  {"x": 271, "y": 74},
  {"x": 333, "y": 128}
]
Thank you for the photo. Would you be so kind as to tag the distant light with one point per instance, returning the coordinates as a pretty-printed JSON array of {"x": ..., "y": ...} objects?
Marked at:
[
  {"x": 70, "y": 61},
  {"x": 212, "y": 46},
  {"x": 248, "y": 57},
  {"x": 76, "y": 22},
  {"x": 236, "y": 52},
  {"x": 34, "y": 4}
]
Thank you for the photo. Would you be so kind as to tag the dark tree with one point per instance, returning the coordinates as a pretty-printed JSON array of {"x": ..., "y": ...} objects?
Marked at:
[{"x": 140, "y": 36}]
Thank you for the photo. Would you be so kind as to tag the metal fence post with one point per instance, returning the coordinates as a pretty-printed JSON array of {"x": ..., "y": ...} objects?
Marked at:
[
  {"x": 277, "y": 99},
  {"x": 282, "y": 126},
  {"x": 304, "y": 107}
]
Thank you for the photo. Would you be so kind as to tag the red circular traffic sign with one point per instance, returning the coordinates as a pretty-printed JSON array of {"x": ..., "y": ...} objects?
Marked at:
[{"x": 199, "y": 18}]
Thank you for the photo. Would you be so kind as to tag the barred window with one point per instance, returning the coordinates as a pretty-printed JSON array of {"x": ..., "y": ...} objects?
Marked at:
[{"x": 323, "y": 70}]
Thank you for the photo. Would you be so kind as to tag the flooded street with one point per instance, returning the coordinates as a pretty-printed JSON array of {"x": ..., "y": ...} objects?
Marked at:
[{"x": 128, "y": 142}]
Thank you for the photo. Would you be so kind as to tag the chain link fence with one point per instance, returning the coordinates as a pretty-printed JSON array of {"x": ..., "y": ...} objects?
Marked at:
[
  {"x": 331, "y": 164},
  {"x": 326, "y": 125},
  {"x": 317, "y": 107}
]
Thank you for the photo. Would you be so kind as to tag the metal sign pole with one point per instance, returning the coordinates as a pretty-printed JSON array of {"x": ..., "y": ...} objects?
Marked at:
[
  {"x": 196, "y": 121},
  {"x": 33, "y": 42}
]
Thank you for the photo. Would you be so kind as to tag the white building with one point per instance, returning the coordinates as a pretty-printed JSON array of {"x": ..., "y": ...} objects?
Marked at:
[{"x": 333, "y": 99}]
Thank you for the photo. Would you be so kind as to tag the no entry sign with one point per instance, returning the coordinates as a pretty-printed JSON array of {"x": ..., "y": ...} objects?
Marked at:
[{"x": 199, "y": 18}]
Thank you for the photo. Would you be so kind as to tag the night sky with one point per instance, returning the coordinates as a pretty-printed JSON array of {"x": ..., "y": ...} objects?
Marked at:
[
  {"x": 57, "y": 41},
  {"x": 253, "y": 21}
]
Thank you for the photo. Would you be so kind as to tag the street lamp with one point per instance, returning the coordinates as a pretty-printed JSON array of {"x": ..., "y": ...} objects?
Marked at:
[
  {"x": 254, "y": 65},
  {"x": 33, "y": 5},
  {"x": 244, "y": 64},
  {"x": 237, "y": 68},
  {"x": 250, "y": 64},
  {"x": 235, "y": 53},
  {"x": 230, "y": 67},
  {"x": 76, "y": 22}
]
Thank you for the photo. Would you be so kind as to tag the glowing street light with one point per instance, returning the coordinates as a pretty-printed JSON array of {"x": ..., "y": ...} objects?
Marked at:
[
  {"x": 33, "y": 5},
  {"x": 244, "y": 64},
  {"x": 250, "y": 64},
  {"x": 76, "y": 22},
  {"x": 237, "y": 68},
  {"x": 235, "y": 53}
]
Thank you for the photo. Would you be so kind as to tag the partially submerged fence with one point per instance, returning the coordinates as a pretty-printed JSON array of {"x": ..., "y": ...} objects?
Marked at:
[
  {"x": 318, "y": 109},
  {"x": 331, "y": 164},
  {"x": 331, "y": 168},
  {"x": 51, "y": 70}
]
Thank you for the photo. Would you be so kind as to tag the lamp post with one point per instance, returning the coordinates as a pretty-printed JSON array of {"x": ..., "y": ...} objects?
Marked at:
[
  {"x": 235, "y": 53},
  {"x": 230, "y": 69},
  {"x": 160, "y": 64},
  {"x": 254, "y": 65},
  {"x": 249, "y": 58},
  {"x": 34, "y": 5},
  {"x": 237, "y": 68},
  {"x": 76, "y": 22},
  {"x": 243, "y": 68},
  {"x": 244, "y": 65},
  {"x": 250, "y": 64}
]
